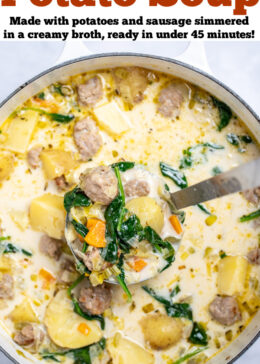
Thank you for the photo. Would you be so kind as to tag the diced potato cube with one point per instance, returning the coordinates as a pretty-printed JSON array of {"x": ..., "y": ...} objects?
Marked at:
[
  {"x": 124, "y": 351},
  {"x": 57, "y": 162},
  {"x": 5, "y": 263},
  {"x": 47, "y": 214},
  {"x": 232, "y": 272},
  {"x": 24, "y": 312},
  {"x": 111, "y": 118},
  {"x": 20, "y": 218},
  {"x": 148, "y": 211},
  {"x": 65, "y": 327},
  {"x": 6, "y": 165},
  {"x": 20, "y": 132}
]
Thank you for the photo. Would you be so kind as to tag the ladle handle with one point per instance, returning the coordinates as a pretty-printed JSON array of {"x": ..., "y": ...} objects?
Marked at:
[{"x": 244, "y": 177}]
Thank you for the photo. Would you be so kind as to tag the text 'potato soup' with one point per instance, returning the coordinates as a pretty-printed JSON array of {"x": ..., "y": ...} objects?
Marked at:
[{"x": 98, "y": 153}]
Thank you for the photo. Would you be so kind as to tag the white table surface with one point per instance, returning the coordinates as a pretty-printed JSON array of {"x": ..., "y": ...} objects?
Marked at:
[{"x": 237, "y": 64}]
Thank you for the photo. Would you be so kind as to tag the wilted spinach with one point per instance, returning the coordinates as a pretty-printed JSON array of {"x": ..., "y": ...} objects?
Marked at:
[
  {"x": 188, "y": 356},
  {"x": 81, "y": 355},
  {"x": 175, "y": 291},
  {"x": 7, "y": 247},
  {"x": 121, "y": 277},
  {"x": 124, "y": 166},
  {"x": 225, "y": 113},
  {"x": 233, "y": 139},
  {"x": 60, "y": 118},
  {"x": 174, "y": 174},
  {"x": 75, "y": 198},
  {"x": 80, "y": 228},
  {"x": 252, "y": 216},
  {"x": 197, "y": 154},
  {"x": 172, "y": 309},
  {"x": 198, "y": 335},
  {"x": 216, "y": 170},
  {"x": 203, "y": 208}
]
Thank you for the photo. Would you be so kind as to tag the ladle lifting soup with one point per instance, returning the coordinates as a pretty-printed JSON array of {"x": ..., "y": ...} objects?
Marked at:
[{"x": 96, "y": 147}]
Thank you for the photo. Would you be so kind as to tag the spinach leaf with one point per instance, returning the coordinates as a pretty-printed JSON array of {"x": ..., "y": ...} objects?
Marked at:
[
  {"x": 225, "y": 113},
  {"x": 169, "y": 256},
  {"x": 188, "y": 356},
  {"x": 78, "y": 310},
  {"x": 222, "y": 254},
  {"x": 211, "y": 145},
  {"x": 80, "y": 228},
  {"x": 57, "y": 88},
  {"x": 197, "y": 154},
  {"x": 75, "y": 198},
  {"x": 216, "y": 170},
  {"x": 7, "y": 247},
  {"x": 60, "y": 118},
  {"x": 130, "y": 229},
  {"x": 246, "y": 139},
  {"x": 41, "y": 96},
  {"x": 204, "y": 208},
  {"x": 176, "y": 176},
  {"x": 175, "y": 291},
  {"x": 179, "y": 310},
  {"x": 233, "y": 139},
  {"x": 158, "y": 298},
  {"x": 172, "y": 309},
  {"x": 123, "y": 166},
  {"x": 112, "y": 214},
  {"x": 158, "y": 244},
  {"x": 80, "y": 356},
  {"x": 252, "y": 216},
  {"x": 121, "y": 277},
  {"x": 198, "y": 335}
]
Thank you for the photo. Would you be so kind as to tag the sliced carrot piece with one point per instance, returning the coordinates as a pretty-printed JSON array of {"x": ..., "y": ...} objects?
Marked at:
[
  {"x": 138, "y": 265},
  {"x": 175, "y": 223},
  {"x": 47, "y": 278},
  {"x": 97, "y": 233},
  {"x": 44, "y": 274},
  {"x": 51, "y": 106},
  {"x": 84, "y": 329}
]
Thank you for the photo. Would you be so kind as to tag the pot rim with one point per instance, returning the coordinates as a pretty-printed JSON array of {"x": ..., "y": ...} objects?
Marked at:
[{"x": 141, "y": 55}]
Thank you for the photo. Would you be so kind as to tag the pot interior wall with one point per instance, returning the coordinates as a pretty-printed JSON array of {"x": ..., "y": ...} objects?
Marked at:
[{"x": 162, "y": 65}]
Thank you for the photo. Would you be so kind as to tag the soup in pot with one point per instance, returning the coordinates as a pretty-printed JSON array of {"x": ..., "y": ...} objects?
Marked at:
[{"x": 94, "y": 157}]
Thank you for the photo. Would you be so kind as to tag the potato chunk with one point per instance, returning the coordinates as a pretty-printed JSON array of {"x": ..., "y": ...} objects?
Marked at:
[
  {"x": 5, "y": 264},
  {"x": 65, "y": 327},
  {"x": 20, "y": 132},
  {"x": 111, "y": 118},
  {"x": 232, "y": 273},
  {"x": 161, "y": 331},
  {"x": 6, "y": 165},
  {"x": 124, "y": 351},
  {"x": 148, "y": 211},
  {"x": 55, "y": 163},
  {"x": 47, "y": 214},
  {"x": 24, "y": 312}
]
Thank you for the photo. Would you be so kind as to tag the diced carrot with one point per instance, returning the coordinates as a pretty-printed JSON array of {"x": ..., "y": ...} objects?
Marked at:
[
  {"x": 51, "y": 106},
  {"x": 175, "y": 223},
  {"x": 84, "y": 329},
  {"x": 97, "y": 233},
  {"x": 44, "y": 274},
  {"x": 47, "y": 278},
  {"x": 138, "y": 265}
]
